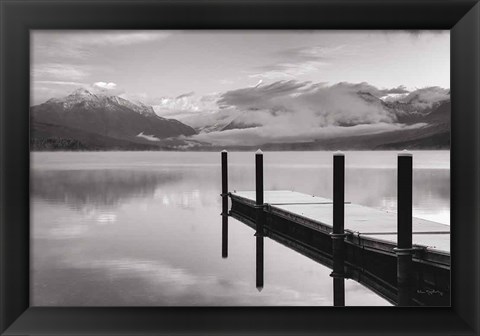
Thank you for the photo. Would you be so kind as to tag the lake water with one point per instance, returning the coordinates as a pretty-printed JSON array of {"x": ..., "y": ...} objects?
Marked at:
[{"x": 144, "y": 228}]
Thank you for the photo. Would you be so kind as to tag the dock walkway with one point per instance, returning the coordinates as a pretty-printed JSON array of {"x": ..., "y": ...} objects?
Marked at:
[
  {"x": 360, "y": 221},
  {"x": 304, "y": 223},
  {"x": 402, "y": 258}
]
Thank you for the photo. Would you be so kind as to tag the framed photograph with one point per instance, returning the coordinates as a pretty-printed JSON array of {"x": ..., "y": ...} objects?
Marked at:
[{"x": 232, "y": 167}]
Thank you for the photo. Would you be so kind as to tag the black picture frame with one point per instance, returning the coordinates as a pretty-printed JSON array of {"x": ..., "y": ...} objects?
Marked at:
[{"x": 17, "y": 17}]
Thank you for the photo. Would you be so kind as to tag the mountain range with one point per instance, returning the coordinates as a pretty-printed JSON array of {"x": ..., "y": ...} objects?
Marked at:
[
  {"x": 279, "y": 116},
  {"x": 87, "y": 121}
]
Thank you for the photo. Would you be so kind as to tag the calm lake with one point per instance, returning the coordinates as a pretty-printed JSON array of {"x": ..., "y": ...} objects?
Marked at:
[{"x": 144, "y": 228}]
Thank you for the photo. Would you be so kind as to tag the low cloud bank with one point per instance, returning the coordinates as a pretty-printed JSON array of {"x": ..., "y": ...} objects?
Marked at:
[
  {"x": 293, "y": 111},
  {"x": 185, "y": 106},
  {"x": 281, "y": 134},
  {"x": 319, "y": 105}
]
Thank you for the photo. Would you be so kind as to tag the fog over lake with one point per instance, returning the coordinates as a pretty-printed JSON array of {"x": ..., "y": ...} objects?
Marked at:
[{"x": 144, "y": 228}]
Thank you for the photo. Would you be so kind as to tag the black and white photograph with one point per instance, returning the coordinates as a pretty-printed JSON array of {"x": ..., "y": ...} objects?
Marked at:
[{"x": 239, "y": 168}]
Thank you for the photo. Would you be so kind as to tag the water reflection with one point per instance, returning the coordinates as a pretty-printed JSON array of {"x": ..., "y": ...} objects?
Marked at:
[
  {"x": 135, "y": 229},
  {"x": 98, "y": 188},
  {"x": 224, "y": 235},
  {"x": 338, "y": 273},
  {"x": 366, "y": 186},
  {"x": 403, "y": 294},
  {"x": 338, "y": 292},
  {"x": 259, "y": 260}
]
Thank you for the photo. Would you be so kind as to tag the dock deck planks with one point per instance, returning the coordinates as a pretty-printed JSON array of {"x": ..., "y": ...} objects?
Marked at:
[{"x": 360, "y": 220}]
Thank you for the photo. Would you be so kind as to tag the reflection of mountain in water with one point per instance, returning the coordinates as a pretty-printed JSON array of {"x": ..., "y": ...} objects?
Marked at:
[{"x": 98, "y": 188}]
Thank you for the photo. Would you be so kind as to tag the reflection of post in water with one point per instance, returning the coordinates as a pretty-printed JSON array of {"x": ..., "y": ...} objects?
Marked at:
[
  {"x": 224, "y": 204},
  {"x": 338, "y": 233},
  {"x": 404, "y": 248},
  {"x": 260, "y": 218},
  {"x": 338, "y": 291},
  {"x": 259, "y": 261},
  {"x": 224, "y": 236},
  {"x": 338, "y": 274}
]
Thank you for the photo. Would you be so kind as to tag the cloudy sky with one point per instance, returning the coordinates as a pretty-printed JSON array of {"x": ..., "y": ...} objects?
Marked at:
[
  {"x": 155, "y": 64},
  {"x": 251, "y": 87}
]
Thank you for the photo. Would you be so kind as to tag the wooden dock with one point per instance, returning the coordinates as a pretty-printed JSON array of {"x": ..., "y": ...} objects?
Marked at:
[
  {"x": 368, "y": 224},
  {"x": 404, "y": 259},
  {"x": 305, "y": 223}
]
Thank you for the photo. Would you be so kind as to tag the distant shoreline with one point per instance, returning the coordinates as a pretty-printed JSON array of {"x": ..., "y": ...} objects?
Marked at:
[{"x": 237, "y": 150}]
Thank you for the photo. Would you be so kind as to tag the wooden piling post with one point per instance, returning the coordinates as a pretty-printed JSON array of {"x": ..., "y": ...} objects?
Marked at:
[
  {"x": 404, "y": 248},
  {"x": 404, "y": 215},
  {"x": 338, "y": 232},
  {"x": 224, "y": 204},
  {"x": 260, "y": 218},
  {"x": 259, "y": 200},
  {"x": 224, "y": 183},
  {"x": 338, "y": 193}
]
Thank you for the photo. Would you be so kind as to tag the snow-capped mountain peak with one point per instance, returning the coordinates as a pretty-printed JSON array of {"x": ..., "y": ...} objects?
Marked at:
[
  {"x": 101, "y": 100},
  {"x": 81, "y": 95},
  {"x": 82, "y": 92}
]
